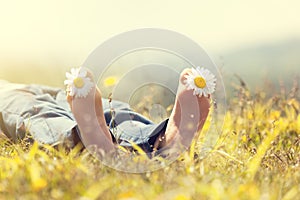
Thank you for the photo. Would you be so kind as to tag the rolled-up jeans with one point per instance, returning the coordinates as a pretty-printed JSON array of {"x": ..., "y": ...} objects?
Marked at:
[{"x": 44, "y": 113}]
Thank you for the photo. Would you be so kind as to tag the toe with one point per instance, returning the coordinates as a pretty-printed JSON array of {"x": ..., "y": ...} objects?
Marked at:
[
  {"x": 183, "y": 74},
  {"x": 90, "y": 74}
]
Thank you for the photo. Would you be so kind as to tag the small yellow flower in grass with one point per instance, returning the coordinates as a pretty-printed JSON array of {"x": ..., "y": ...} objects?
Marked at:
[
  {"x": 181, "y": 197},
  {"x": 127, "y": 195},
  {"x": 244, "y": 138},
  {"x": 201, "y": 80},
  {"x": 275, "y": 115},
  {"x": 79, "y": 85},
  {"x": 110, "y": 81},
  {"x": 37, "y": 182}
]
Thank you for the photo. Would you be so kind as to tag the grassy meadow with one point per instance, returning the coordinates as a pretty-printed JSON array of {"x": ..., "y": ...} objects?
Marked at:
[
  {"x": 257, "y": 156},
  {"x": 249, "y": 148}
]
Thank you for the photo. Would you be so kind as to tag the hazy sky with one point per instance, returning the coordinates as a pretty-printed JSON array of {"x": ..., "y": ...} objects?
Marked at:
[{"x": 65, "y": 32}]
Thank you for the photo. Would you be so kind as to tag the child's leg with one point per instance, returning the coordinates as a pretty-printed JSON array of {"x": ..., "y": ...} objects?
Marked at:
[
  {"x": 89, "y": 115},
  {"x": 187, "y": 118}
]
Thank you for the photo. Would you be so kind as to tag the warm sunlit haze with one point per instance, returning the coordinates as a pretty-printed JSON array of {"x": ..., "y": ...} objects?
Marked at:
[{"x": 40, "y": 40}]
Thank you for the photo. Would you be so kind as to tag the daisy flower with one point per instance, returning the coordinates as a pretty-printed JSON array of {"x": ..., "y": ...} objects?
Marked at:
[
  {"x": 201, "y": 80},
  {"x": 79, "y": 85}
]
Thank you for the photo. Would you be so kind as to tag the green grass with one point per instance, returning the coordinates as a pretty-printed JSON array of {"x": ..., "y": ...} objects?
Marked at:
[{"x": 257, "y": 156}]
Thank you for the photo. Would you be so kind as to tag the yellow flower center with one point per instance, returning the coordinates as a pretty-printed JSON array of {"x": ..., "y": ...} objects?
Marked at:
[
  {"x": 200, "y": 82},
  {"x": 78, "y": 82}
]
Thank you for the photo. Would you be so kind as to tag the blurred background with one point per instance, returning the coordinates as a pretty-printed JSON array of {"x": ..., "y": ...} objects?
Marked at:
[{"x": 257, "y": 40}]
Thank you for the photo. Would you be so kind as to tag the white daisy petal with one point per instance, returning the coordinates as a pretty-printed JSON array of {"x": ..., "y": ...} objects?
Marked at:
[
  {"x": 194, "y": 71},
  {"x": 72, "y": 91},
  {"x": 79, "y": 85},
  {"x": 198, "y": 71},
  {"x": 73, "y": 71},
  {"x": 68, "y": 82},
  {"x": 201, "y": 80},
  {"x": 82, "y": 73},
  {"x": 69, "y": 76}
]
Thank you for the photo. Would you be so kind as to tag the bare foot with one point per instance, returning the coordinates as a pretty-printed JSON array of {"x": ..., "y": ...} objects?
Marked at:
[
  {"x": 188, "y": 115},
  {"x": 187, "y": 118},
  {"x": 89, "y": 116}
]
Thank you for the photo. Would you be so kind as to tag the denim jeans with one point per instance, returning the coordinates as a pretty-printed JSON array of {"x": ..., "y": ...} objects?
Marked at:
[{"x": 44, "y": 113}]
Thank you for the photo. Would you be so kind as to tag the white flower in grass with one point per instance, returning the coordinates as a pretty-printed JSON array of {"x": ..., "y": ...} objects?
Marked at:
[
  {"x": 201, "y": 80},
  {"x": 79, "y": 85}
]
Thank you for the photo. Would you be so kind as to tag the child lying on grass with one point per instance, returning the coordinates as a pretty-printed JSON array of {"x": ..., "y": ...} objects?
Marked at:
[{"x": 53, "y": 116}]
